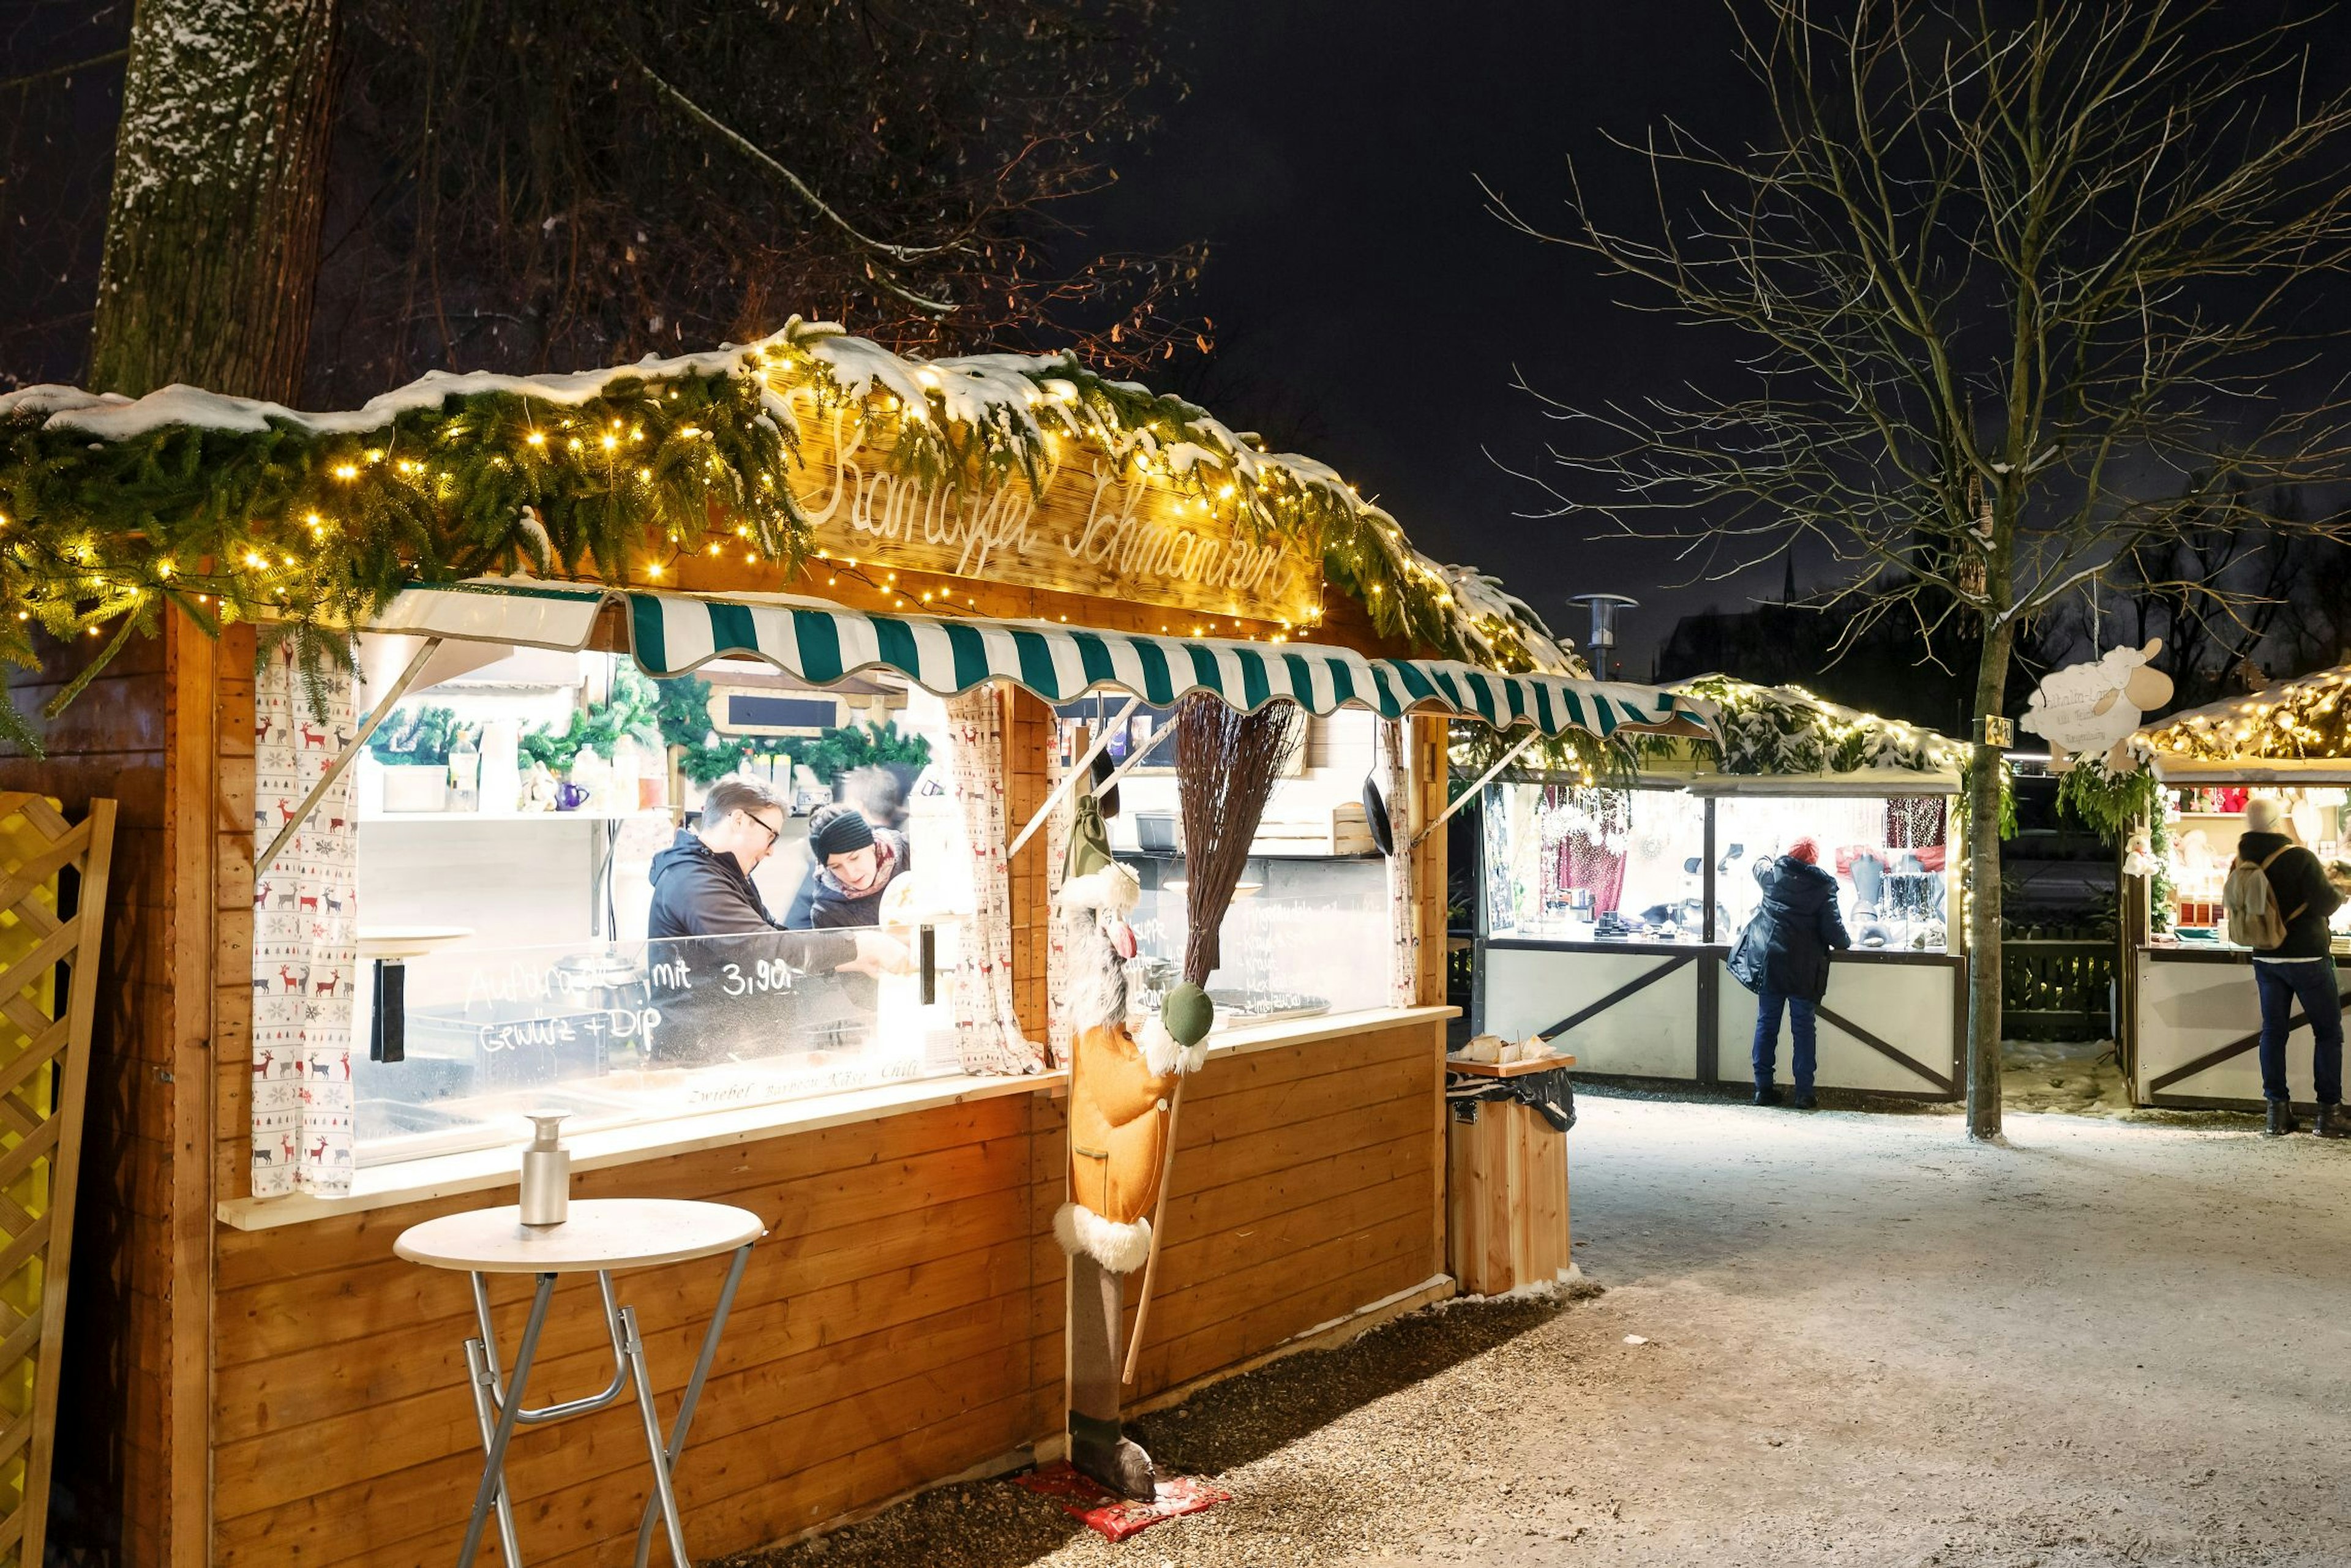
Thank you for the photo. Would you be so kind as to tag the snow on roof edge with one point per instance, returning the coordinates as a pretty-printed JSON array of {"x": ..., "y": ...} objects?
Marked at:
[{"x": 994, "y": 390}]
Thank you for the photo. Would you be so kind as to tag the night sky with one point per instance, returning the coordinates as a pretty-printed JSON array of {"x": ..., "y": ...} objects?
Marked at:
[
  {"x": 1367, "y": 308},
  {"x": 1371, "y": 312}
]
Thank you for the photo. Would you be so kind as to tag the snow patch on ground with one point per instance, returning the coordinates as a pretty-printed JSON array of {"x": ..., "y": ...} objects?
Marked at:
[{"x": 2080, "y": 1078}]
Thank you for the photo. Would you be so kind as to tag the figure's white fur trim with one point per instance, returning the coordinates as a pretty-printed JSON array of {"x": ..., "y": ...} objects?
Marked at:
[
  {"x": 1093, "y": 992},
  {"x": 1121, "y": 1248},
  {"x": 1161, "y": 1054},
  {"x": 1114, "y": 887}
]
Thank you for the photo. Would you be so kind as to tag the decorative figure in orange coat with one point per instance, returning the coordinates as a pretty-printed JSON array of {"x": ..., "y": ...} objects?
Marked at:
[{"x": 1119, "y": 1125}]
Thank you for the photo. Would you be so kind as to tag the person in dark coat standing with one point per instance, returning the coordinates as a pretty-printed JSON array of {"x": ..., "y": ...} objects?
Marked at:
[
  {"x": 2297, "y": 972},
  {"x": 1800, "y": 926}
]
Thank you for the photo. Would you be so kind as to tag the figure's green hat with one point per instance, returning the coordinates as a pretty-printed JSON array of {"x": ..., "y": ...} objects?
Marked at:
[{"x": 1089, "y": 849}]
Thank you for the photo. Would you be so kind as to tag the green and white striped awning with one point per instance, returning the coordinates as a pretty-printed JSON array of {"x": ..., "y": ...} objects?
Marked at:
[{"x": 672, "y": 634}]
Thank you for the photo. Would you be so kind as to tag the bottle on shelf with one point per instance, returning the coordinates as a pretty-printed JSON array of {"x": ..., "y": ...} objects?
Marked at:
[
  {"x": 500, "y": 790},
  {"x": 465, "y": 774}
]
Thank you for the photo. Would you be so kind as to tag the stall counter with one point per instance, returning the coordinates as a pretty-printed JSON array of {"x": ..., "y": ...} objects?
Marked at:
[
  {"x": 2197, "y": 1023},
  {"x": 1894, "y": 1022}
]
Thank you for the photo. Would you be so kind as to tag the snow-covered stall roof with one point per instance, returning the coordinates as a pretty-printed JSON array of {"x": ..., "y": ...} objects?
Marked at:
[
  {"x": 2295, "y": 730},
  {"x": 1784, "y": 736},
  {"x": 1007, "y": 407}
]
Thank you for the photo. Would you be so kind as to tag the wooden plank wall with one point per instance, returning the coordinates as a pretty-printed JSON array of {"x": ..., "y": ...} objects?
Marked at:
[
  {"x": 1308, "y": 1182},
  {"x": 902, "y": 1322},
  {"x": 233, "y": 874},
  {"x": 114, "y": 1427},
  {"x": 1429, "y": 764},
  {"x": 1029, "y": 732},
  {"x": 879, "y": 1341}
]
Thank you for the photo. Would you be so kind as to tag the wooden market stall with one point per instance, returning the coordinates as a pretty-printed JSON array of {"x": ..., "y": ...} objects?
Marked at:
[
  {"x": 1611, "y": 906},
  {"x": 2188, "y": 1019},
  {"x": 261, "y": 1382}
]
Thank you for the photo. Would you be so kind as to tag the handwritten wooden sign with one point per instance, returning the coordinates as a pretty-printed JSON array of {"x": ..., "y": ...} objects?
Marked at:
[{"x": 1089, "y": 529}]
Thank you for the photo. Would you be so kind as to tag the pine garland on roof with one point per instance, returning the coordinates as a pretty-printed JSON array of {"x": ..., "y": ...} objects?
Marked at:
[{"x": 111, "y": 509}]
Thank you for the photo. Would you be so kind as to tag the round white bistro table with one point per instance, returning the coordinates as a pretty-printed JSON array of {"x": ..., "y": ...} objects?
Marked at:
[{"x": 600, "y": 1237}]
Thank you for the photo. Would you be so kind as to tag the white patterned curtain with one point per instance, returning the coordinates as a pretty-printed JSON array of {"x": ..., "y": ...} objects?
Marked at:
[
  {"x": 988, "y": 1031},
  {"x": 1404, "y": 916},
  {"x": 305, "y": 936},
  {"x": 1056, "y": 834}
]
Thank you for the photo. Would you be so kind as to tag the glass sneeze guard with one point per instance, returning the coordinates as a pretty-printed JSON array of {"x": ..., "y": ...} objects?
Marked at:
[
  {"x": 1302, "y": 938},
  {"x": 624, "y": 1032}
]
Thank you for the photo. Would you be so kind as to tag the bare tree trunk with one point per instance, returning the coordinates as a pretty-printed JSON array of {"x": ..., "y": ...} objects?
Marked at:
[
  {"x": 211, "y": 238},
  {"x": 1984, "y": 786}
]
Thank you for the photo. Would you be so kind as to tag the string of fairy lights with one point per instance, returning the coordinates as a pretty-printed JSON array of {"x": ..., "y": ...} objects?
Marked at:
[{"x": 112, "y": 511}]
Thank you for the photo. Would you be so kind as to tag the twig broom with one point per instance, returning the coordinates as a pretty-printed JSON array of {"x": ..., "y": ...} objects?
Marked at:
[{"x": 1226, "y": 764}]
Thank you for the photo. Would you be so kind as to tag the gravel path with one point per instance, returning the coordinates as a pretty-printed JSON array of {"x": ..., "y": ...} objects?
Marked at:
[{"x": 1866, "y": 1343}]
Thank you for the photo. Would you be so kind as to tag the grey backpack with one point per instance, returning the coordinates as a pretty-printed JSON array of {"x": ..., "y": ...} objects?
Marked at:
[{"x": 2251, "y": 908}]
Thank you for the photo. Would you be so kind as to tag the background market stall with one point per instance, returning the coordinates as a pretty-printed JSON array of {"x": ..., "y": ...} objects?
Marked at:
[
  {"x": 2189, "y": 1019},
  {"x": 998, "y": 537},
  {"x": 1609, "y": 906}
]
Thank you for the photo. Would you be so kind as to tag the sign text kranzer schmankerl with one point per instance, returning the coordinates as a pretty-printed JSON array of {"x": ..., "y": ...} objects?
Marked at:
[{"x": 1089, "y": 529}]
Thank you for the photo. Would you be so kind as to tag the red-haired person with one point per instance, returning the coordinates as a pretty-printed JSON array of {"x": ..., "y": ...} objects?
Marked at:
[{"x": 1783, "y": 957}]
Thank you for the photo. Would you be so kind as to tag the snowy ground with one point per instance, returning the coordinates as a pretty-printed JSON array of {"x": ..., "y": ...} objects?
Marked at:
[{"x": 1866, "y": 1342}]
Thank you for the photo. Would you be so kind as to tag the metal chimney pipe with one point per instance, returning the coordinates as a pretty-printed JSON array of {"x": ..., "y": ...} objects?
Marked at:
[{"x": 1603, "y": 641}]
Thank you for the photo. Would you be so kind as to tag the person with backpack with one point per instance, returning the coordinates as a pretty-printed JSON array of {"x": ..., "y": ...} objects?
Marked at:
[
  {"x": 1783, "y": 957},
  {"x": 2277, "y": 899}
]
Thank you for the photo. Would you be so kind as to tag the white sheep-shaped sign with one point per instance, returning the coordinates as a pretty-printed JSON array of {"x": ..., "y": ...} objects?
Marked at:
[{"x": 2095, "y": 708}]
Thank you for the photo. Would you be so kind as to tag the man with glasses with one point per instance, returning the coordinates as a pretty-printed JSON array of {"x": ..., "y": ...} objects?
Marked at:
[
  {"x": 715, "y": 991},
  {"x": 702, "y": 882}
]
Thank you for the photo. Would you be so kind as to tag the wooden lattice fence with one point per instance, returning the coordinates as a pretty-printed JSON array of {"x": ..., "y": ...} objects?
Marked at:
[{"x": 52, "y": 917}]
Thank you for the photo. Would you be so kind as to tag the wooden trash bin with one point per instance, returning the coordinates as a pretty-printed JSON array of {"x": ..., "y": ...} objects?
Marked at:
[{"x": 1506, "y": 1186}]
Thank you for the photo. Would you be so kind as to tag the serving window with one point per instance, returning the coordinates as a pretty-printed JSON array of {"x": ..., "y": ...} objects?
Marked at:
[
  {"x": 509, "y": 820},
  {"x": 2203, "y": 826}
]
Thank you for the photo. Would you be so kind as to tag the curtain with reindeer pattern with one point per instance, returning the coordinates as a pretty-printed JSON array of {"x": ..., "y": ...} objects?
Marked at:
[{"x": 304, "y": 933}]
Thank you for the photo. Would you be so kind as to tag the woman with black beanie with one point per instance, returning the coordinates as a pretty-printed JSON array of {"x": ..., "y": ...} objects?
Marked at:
[{"x": 850, "y": 863}]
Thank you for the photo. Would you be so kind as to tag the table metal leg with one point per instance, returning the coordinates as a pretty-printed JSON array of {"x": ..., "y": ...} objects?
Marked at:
[
  {"x": 493, "y": 1480},
  {"x": 702, "y": 1363},
  {"x": 482, "y": 1367},
  {"x": 663, "y": 1493}
]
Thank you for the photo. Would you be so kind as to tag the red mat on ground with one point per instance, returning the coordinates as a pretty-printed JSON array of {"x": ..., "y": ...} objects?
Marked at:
[{"x": 1113, "y": 1517}]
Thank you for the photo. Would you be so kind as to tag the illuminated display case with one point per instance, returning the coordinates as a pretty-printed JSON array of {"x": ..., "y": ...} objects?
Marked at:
[
  {"x": 541, "y": 989},
  {"x": 2204, "y": 825},
  {"x": 1588, "y": 863},
  {"x": 1888, "y": 853}
]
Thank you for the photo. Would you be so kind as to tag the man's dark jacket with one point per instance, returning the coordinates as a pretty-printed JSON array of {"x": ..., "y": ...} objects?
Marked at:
[
  {"x": 2299, "y": 886},
  {"x": 1785, "y": 948},
  {"x": 697, "y": 892}
]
